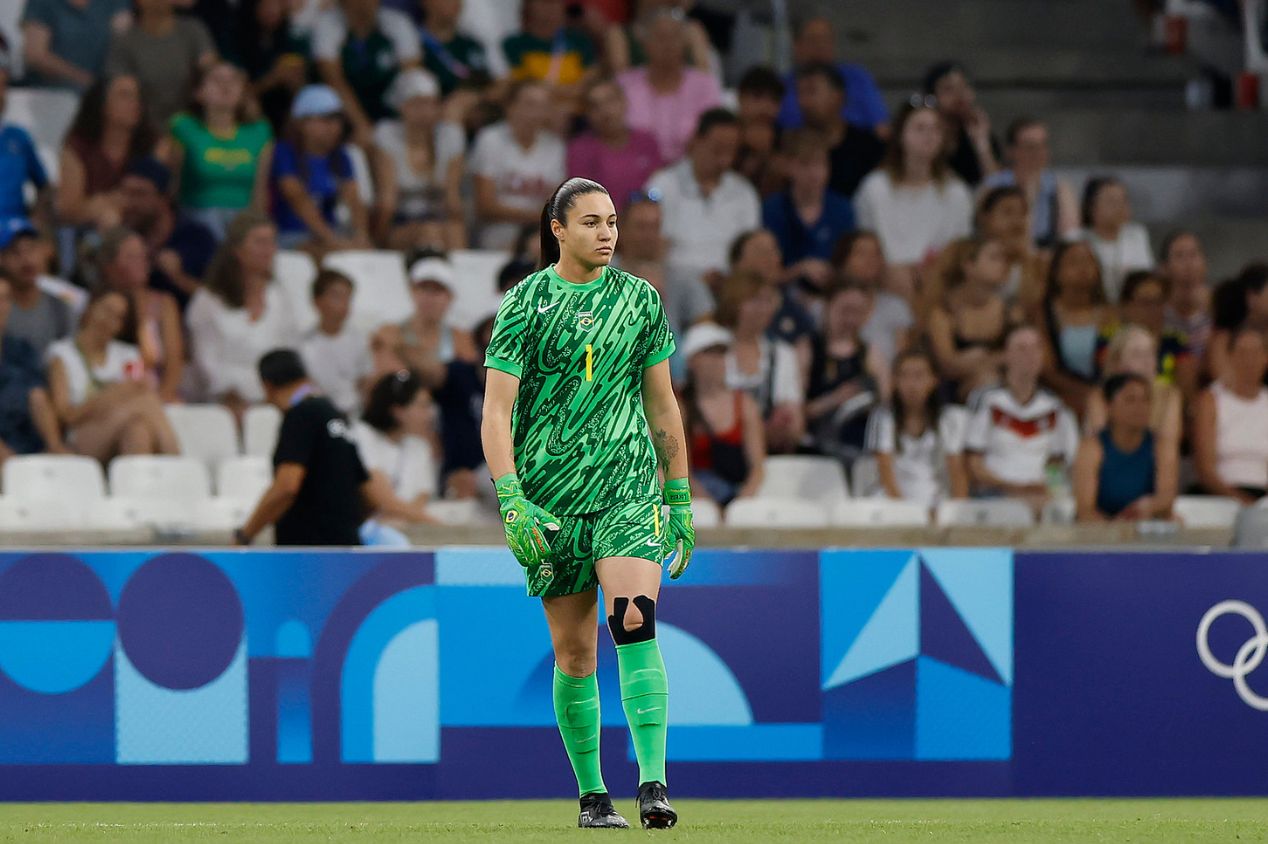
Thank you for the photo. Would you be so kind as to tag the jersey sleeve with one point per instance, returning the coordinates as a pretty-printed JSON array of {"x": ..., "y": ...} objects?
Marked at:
[
  {"x": 661, "y": 345},
  {"x": 506, "y": 346}
]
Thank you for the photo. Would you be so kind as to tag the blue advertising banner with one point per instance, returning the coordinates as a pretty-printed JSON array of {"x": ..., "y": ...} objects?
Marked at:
[
  {"x": 1136, "y": 674},
  {"x": 273, "y": 675},
  {"x": 356, "y": 675}
]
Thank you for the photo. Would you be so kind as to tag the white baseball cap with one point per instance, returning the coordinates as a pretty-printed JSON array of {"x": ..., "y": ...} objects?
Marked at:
[
  {"x": 414, "y": 82},
  {"x": 706, "y": 335},
  {"x": 432, "y": 269}
]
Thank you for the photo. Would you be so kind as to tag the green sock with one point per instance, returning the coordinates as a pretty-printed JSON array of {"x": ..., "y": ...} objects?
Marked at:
[
  {"x": 577, "y": 711},
  {"x": 645, "y": 698}
]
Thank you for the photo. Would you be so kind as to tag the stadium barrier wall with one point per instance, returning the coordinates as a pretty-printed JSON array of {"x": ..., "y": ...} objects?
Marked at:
[{"x": 274, "y": 675}]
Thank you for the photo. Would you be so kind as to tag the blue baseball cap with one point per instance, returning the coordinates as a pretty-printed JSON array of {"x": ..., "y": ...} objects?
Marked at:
[
  {"x": 13, "y": 228},
  {"x": 316, "y": 101}
]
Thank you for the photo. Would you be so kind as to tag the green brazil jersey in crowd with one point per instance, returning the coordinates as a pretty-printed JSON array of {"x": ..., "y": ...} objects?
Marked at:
[{"x": 579, "y": 350}]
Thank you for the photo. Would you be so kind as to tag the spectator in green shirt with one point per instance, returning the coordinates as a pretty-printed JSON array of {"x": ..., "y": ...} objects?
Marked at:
[
  {"x": 454, "y": 58},
  {"x": 359, "y": 47},
  {"x": 546, "y": 49},
  {"x": 221, "y": 149}
]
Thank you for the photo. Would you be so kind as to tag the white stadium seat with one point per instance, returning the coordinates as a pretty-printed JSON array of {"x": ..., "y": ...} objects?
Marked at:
[
  {"x": 879, "y": 512},
  {"x": 465, "y": 511},
  {"x": 706, "y": 513},
  {"x": 295, "y": 272},
  {"x": 477, "y": 297},
  {"x": 758, "y": 512},
  {"x": 64, "y": 478},
  {"x": 381, "y": 291},
  {"x": 44, "y": 516},
  {"x": 161, "y": 477},
  {"x": 247, "y": 476},
  {"x": 44, "y": 112},
  {"x": 206, "y": 431},
  {"x": 805, "y": 478},
  {"x": 1207, "y": 511},
  {"x": 984, "y": 512},
  {"x": 865, "y": 477},
  {"x": 259, "y": 429}
]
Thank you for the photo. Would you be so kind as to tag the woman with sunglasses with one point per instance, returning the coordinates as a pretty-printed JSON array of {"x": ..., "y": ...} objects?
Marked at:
[{"x": 580, "y": 422}]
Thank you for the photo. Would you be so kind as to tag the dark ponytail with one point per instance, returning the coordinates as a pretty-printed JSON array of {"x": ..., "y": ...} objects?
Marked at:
[
  {"x": 556, "y": 208},
  {"x": 1228, "y": 303}
]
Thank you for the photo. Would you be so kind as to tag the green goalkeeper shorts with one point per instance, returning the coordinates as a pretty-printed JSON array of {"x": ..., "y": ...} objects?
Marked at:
[{"x": 632, "y": 529}]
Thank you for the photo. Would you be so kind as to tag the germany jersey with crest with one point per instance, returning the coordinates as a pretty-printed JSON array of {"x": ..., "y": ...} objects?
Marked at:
[{"x": 580, "y": 436}]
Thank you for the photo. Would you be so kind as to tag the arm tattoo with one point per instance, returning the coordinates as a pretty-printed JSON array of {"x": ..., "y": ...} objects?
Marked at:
[{"x": 666, "y": 447}]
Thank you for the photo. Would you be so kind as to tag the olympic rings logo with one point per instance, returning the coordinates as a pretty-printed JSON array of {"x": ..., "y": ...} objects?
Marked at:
[{"x": 1249, "y": 655}]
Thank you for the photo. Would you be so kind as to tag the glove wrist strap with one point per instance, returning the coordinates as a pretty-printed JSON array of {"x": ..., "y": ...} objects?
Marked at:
[
  {"x": 677, "y": 492},
  {"x": 508, "y": 486}
]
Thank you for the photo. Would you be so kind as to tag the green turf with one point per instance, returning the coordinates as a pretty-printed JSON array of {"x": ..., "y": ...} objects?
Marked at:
[{"x": 703, "y": 821}]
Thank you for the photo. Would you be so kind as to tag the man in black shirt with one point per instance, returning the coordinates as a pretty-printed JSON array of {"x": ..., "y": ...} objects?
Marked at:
[
  {"x": 855, "y": 151},
  {"x": 320, "y": 487}
]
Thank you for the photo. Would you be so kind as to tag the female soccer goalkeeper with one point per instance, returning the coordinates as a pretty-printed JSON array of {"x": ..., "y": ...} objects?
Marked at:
[{"x": 578, "y": 415}]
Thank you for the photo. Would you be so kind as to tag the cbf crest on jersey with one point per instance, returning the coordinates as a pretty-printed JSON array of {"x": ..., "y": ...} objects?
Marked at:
[{"x": 585, "y": 319}]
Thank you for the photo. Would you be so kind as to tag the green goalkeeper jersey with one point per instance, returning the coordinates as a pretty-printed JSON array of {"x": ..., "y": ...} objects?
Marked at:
[{"x": 579, "y": 350}]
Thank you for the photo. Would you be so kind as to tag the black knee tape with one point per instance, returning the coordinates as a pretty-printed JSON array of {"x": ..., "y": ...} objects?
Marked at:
[{"x": 645, "y": 632}]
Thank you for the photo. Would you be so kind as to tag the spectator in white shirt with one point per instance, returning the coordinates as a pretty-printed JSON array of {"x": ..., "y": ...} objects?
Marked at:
[
  {"x": 706, "y": 205},
  {"x": 335, "y": 352},
  {"x": 516, "y": 165},
  {"x": 1120, "y": 244},
  {"x": 1230, "y": 449},
  {"x": 99, "y": 390},
  {"x": 1018, "y": 429},
  {"x": 766, "y": 369},
  {"x": 918, "y": 443},
  {"x": 391, "y": 437},
  {"x": 913, "y": 201},
  {"x": 239, "y": 314}
]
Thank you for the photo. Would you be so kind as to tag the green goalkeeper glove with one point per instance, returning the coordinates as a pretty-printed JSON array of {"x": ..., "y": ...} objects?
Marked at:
[
  {"x": 680, "y": 534},
  {"x": 528, "y": 531}
]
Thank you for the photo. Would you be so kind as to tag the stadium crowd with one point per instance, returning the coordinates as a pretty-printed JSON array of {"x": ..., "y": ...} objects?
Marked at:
[{"x": 912, "y": 285}]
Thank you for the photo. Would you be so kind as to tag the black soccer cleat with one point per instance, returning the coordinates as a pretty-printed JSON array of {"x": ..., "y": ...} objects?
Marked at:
[
  {"x": 597, "y": 812},
  {"x": 653, "y": 807}
]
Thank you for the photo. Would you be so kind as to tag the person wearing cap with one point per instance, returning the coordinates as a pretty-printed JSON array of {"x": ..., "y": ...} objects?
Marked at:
[
  {"x": 723, "y": 424},
  {"x": 220, "y": 150},
  {"x": 312, "y": 174},
  {"x": 359, "y": 48},
  {"x": 418, "y": 167},
  {"x": 37, "y": 317},
  {"x": 164, "y": 51},
  {"x": 180, "y": 248},
  {"x": 28, "y": 423},
  {"x": 426, "y": 340},
  {"x": 19, "y": 162}
]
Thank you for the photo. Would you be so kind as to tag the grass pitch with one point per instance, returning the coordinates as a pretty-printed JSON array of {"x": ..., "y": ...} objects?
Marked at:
[{"x": 702, "y": 821}]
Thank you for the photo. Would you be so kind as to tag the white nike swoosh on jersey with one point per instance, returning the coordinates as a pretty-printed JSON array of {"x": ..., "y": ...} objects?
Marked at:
[
  {"x": 541, "y": 309},
  {"x": 653, "y": 542}
]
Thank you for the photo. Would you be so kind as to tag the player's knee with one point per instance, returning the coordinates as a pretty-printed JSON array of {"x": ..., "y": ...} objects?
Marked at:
[
  {"x": 577, "y": 662},
  {"x": 631, "y": 627}
]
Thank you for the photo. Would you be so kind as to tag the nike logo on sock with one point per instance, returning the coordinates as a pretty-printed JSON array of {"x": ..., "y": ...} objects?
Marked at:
[{"x": 541, "y": 309}]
